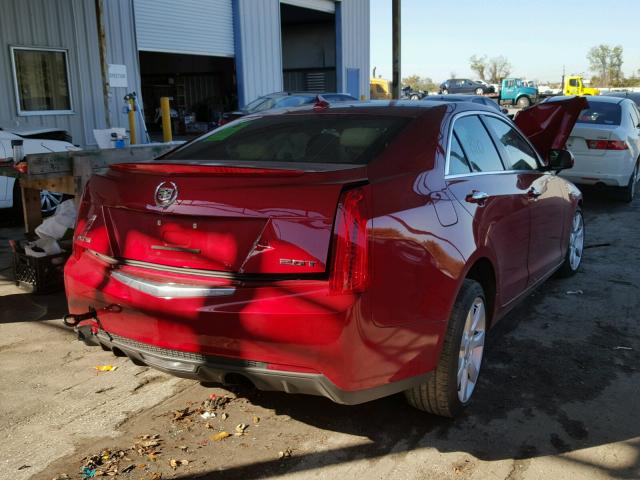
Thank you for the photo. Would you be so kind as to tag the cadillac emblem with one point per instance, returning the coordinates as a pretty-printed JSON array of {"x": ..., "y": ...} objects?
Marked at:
[{"x": 166, "y": 194}]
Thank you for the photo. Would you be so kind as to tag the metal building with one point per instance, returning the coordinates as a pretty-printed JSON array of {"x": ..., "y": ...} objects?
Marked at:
[{"x": 68, "y": 63}]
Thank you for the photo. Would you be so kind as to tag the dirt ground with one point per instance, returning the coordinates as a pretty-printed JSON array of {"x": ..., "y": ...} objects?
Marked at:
[{"x": 558, "y": 397}]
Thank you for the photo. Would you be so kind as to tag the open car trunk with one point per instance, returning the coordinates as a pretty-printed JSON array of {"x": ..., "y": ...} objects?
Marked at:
[{"x": 549, "y": 124}]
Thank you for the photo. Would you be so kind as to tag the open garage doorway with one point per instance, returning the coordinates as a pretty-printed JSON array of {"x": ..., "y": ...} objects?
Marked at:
[
  {"x": 201, "y": 88},
  {"x": 308, "y": 49}
]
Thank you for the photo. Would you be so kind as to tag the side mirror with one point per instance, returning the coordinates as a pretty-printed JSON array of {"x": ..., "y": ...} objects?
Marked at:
[{"x": 560, "y": 160}]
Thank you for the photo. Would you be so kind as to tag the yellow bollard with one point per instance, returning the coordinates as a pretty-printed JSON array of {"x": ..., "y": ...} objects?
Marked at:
[
  {"x": 166, "y": 119},
  {"x": 132, "y": 122}
]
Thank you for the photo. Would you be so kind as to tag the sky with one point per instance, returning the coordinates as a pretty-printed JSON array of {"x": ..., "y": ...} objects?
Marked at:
[{"x": 537, "y": 36}]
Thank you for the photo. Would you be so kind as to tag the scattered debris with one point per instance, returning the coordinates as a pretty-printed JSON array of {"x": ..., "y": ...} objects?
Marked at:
[
  {"x": 128, "y": 468},
  {"x": 24, "y": 467},
  {"x": 574, "y": 292},
  {"x": 208, "y": 415},
  {"x": 224, "y": 416},
  {"x": 286, "y": 453},
  {"x": 184, "y": 448},
  {"x": 220, "y": 436},
  {"x": 240, "y": 428},
  {"x": 105, "y": 368},
  {"x": 176, "y": 463},
  {"x": 256, "y": 420},
  {"x": 181, "y": 414},
  {"x": 88, "y": 472},
  {"x": 621, "y": 347}
]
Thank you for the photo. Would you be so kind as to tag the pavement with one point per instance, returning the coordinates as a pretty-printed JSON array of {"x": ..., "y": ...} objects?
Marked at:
[{"x": 557, "y": 397}]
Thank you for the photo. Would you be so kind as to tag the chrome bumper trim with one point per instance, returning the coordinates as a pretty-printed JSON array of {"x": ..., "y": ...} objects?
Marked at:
[{"x": 170, "y": 290}]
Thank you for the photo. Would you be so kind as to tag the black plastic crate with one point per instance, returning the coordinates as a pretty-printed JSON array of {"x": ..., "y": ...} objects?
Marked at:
[{"x": 39, "y": 274}]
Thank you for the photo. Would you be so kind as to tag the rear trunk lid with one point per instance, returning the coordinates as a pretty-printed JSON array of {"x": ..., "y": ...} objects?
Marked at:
[
  {"x": 222, "y": 219},
  {"x": 548, "y": 125},
  {"x": 583, "y": 135}
]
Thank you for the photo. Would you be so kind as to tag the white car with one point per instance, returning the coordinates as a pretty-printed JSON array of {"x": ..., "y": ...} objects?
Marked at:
[
  {"x": 33, "y": 141},
  {"x": 606, "y": 144}
]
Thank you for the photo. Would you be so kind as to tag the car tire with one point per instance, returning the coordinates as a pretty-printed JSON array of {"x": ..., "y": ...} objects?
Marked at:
[
  {"x": 447, "y": 390},
  {"x": 479, "y": 91},
  {"x": 445, "y": 92},
  {"x": 523, "y": 102},
  {"x": 414, "y": 97},
  {"x": 15, "y": 215},
  {"x": 575, "y": 247},
  {"x": 629, "y": 192}
]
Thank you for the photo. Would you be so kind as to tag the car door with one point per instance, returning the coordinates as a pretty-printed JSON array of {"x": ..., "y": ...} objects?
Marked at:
[
  {"x": 545, "y": 198},
  {"x": 634, "y": 135},
  {"x": 494, "y": 197}
]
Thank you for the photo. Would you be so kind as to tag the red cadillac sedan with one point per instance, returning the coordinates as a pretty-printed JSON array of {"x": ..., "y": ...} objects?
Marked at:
[{"x": 352, "y": 251}]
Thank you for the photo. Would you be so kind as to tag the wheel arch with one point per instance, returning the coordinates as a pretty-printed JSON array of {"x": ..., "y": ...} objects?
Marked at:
[{"x": 483, "y": 272}]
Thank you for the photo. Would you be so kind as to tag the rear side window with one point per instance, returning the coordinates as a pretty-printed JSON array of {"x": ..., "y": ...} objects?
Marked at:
[
  {"x": 294, "y": 101},
  {"x": 601, "y": 113},
  {"x": 458, "y": 163},
  {"x": 520, "y": 155},
  {"x": 312, "y": 138},
  {"x": 478, "y": 146}
]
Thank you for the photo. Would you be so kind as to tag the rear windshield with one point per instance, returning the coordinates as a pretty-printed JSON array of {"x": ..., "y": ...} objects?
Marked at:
[
  {"x": 313, "y": 138},
  {"x": 601, "y": 113}
]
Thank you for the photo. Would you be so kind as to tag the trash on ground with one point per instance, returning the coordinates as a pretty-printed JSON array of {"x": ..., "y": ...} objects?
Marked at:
[
  {"x": 23, "y": 467},
  {"x": 286, "y": 453},
  {"x": 220, "y": 436},
  {"x": 181, "y": 414},
  {"x": 105, "y": 368},
  {"x": 176, "y": 463},
  {"x": 208, "y": 415},
  {"x": 256, "y": 419},
  {"x": 240, "y": 428},
  {"x": 224, "y": 416},
  {"x": 574, "y": 292},
  {"x": 56, "y": 226}
]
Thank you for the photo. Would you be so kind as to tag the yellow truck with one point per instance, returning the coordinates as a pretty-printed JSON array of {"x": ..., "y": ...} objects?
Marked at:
[
  {"x": 380, "y": 89},
  {"x": 573, "y": 85}
]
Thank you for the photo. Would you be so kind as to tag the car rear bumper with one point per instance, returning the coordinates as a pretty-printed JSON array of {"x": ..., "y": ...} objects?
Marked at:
[
  {"x": 612, "y": 169},
  {"x": 227, "y": 371},
  {"x": 291, "y": 336}
]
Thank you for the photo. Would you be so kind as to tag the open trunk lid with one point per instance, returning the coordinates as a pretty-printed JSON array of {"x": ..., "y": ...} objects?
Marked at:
[
  {"x": 549, "y": 124},
  {"x": 223, "y": 219}
]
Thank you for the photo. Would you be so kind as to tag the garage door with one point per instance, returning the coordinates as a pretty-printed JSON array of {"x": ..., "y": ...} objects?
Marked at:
[{"x": 199, "y": 27}]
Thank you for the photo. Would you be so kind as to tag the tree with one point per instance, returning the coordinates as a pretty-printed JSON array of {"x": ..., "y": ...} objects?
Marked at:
[
  {"x": 606, "y": 62},
  {"x": 498, "y": 68},
  {"x": 492, "y": 70},
  {"x": 416, "y": 82},
  {"x": 479, "y": 65}
]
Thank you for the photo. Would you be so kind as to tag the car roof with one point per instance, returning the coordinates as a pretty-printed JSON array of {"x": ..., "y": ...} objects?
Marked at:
[
  {"x": 306, "y": 94},
  {"x": 407, "y": 108},
  {"x": 590, "y": 98}
]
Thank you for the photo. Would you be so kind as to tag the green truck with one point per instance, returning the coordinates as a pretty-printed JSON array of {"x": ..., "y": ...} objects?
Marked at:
[{"x": 516, "y": 91}]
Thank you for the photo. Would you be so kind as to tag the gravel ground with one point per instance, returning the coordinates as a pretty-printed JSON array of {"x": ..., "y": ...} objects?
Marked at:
[{"x": 557, "y": 397}]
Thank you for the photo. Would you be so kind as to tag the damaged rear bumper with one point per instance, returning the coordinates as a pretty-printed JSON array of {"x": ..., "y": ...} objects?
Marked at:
[{"x": 226, "y": 371}]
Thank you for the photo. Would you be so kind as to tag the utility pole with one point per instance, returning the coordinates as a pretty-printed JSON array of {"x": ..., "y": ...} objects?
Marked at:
[{"x": 395, "y": 19}]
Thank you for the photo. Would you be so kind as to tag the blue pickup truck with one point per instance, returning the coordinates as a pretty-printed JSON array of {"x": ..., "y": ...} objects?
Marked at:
[{"x": 516, "y": 91}]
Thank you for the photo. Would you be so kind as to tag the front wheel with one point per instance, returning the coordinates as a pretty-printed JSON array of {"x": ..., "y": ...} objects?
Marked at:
[
  {"x": 575, "y": 249},
  {"x": 450, "y": 387},
  {"x": 414, "y": 97},
  {"x": 445, "y": 92},
  {"x": 479, "y": 91},
  {"x": 523, "y": 102}
]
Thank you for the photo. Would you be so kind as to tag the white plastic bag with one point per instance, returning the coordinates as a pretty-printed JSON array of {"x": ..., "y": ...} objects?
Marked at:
[{"x": 57, "y": 225}]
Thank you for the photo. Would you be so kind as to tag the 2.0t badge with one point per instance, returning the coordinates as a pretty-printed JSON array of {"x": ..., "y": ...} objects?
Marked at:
[{"x": 166, "y": 194}]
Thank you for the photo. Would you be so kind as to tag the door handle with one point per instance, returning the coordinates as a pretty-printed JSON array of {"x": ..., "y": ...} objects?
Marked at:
[
  {"x": 477, "y": 197},
  {"x": 533, "y": 192}
]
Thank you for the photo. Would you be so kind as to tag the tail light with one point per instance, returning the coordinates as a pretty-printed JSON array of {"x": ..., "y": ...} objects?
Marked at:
[
  {"x": 350, "y": 270},
  {"x": 607, "y": 145}
]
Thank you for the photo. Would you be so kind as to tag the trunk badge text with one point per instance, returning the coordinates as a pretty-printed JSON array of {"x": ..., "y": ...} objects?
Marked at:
[
  {"x": 166, "y": 194},
  {"x": 297, "y": 263}
]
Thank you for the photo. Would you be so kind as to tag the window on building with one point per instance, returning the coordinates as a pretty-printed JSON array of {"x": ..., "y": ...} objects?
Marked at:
[{"x": 42, "y": 80}]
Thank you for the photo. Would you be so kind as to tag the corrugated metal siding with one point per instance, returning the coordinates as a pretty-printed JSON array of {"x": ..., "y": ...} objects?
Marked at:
[
  {"x": 355, "y": 41},
  {"x": 258, "y": 48},
  {"x": 199, "y": 27},
  {"x": 121, "y": 49},
  {"x": 67, "y": 24}
]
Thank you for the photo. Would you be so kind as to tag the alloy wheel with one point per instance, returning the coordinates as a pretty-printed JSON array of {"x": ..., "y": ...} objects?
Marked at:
[
  {"x": 471, "y": 350},
  {"x": 576, "y": 241},
  {"x": 49, "y": 201}
]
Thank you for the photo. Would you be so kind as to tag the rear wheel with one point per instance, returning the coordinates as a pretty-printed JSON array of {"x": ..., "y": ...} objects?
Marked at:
[
  {"x": 629, "y": 192},
  {"x": 414, "y": 97},
  {"x": 575, "y": 249},
  {"x": 479, "y": 91},
  {"x": 523, "y": 102},
  {"x": 450, "y": 387},
  {"x": 445, "y": 92}
]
